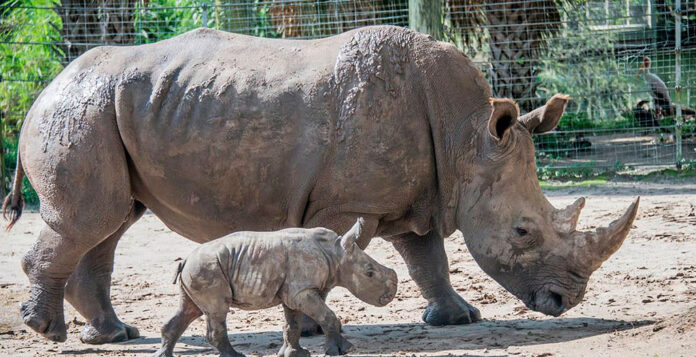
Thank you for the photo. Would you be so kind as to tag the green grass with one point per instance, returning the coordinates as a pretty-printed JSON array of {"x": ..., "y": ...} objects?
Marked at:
[
  {"x": 545, "y": 185},
  {"x": 666, "y": 173},
  {"x": 570, "y": 178}
]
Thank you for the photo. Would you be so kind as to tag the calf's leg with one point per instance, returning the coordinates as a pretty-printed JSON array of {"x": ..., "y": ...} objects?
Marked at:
[
  {"x": 172, "y": 330},
  {"x": 217, "y": 334},
  {"x": 427, "y": 264},
  {"x": 89, "y": 289},
  {"x": 312, "y": 304},
  {"x": 291, "y": 334}
]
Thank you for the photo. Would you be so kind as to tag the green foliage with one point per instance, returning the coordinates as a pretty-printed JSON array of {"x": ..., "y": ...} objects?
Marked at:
[
  {"x": 581, "y": 62},
  {"x": 577, "y": 171},
  {"x": 263, "y": 26},
  {"x": 26, "y": 69},
  {"x": 10, "y": 157},
  {"x": 162, "y": 19}
]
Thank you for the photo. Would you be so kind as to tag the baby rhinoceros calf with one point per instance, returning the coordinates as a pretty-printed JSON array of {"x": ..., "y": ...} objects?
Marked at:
[{"x": 293, "y": 267}]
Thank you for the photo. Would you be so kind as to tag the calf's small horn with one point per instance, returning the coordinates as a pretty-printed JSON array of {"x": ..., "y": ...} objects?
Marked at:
[{"x": 593, "y": 248}]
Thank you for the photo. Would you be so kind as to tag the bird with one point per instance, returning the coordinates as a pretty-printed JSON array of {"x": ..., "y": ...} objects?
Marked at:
[{"x": 662, "y": 102}]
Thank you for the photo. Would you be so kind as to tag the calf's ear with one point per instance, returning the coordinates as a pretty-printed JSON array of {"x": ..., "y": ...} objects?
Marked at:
[
  {"x": 546, "y": 118},
  {"x": 349, "y": 239},
  {"x": 503, "y": 117}
]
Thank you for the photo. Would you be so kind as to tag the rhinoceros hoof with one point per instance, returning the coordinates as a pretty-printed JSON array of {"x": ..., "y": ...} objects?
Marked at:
[
  {"x": 287, "y": 351},
  {"x": 96, "y": 333},
  {"x": 48, "y": 322},
  {"x": 340, "y": 346},
  {"x": 162, "y": 352},
  {"x": 232, "y": 354},
  {"x": 453, "y": 311}
]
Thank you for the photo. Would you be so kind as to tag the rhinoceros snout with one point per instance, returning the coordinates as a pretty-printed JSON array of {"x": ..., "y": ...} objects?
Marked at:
[
  {"x": 548, "y": 303},
  {"x": 386, "y": 298},
  {"x": 391, "y": 285}
]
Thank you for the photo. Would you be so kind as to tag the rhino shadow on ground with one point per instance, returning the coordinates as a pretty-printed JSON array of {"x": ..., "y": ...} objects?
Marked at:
[{"x": 416, "y": 337}]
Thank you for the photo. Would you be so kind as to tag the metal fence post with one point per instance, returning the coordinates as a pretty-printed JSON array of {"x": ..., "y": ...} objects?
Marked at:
[
  {"x": 677, "y": 82},
  {"x": 204, "y": 17}
]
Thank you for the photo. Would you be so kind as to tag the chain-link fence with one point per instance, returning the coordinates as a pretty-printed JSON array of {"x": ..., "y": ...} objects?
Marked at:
[
  {"x": 529, "y": 50},
  {"x": 594, "y": 51}
]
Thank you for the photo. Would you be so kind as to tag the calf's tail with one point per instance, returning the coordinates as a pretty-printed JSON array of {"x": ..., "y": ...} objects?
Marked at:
[
  {"x": 179, "y": 268},
  {"x": 14, "y": 202}
]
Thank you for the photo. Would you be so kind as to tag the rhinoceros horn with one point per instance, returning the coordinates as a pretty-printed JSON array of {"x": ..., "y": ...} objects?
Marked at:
[
  {"x": 565, "y": 220},
  {"x": 593, "y": 248}
]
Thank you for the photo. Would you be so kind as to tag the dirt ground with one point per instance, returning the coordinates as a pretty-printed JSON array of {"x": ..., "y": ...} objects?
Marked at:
[{"x": 642, "y": 302}]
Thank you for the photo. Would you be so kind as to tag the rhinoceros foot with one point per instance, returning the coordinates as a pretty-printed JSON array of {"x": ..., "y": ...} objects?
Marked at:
[
  {"x": 338, "y": 346},
  {"x": 450, "y": 310},
  {"x": 43, "y": 317},
  {"x": 288, "y": 351},
  {"x": 110, "y": 331}
]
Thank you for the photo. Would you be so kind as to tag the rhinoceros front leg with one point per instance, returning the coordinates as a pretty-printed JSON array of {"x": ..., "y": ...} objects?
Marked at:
[
  {"x": 312, "y": 304},
  {"x": 428, "y": 266},
  {"x": 89, "y": 289},
  {"x": 291, "y": 334}
]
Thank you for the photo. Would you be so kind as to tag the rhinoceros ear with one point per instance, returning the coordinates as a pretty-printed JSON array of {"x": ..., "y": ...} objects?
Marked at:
[
  {"x": 503, "y": 117},
  {"x": 348, "y": 240},
  {"x": 546, "y": 118}
]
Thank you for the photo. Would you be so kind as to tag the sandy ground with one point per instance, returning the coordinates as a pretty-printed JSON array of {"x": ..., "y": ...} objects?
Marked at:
[{"x": 642, "y": 302}]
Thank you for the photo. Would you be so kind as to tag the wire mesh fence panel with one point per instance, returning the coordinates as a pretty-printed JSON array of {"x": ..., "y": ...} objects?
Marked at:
[{"x": 616, "y": 59}]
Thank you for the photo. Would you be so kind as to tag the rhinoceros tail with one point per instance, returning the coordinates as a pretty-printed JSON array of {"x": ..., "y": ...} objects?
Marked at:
[
  {"x": 179, "y": 268},
  {"x": 14, "y": 202}
]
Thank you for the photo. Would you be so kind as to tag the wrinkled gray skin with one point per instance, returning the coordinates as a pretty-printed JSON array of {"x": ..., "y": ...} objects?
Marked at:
[
  {"x": 294, "y": 267},
  {"x": 217, "y": 133}
]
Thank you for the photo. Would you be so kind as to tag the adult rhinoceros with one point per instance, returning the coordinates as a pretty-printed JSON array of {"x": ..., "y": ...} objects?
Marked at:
[{"x": 217, "y": 132}]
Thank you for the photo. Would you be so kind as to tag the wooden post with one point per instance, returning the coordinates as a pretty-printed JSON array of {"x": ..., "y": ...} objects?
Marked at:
[{"x": 426, "y": 16}]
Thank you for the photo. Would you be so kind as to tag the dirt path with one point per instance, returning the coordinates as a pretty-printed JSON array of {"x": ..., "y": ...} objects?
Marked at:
[{"x": 642, "y": 302}]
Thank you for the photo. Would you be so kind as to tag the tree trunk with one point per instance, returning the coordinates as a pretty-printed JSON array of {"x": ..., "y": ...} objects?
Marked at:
[
  {"x": 425, "y": 16},
  {"x": 517, "y": 36}
]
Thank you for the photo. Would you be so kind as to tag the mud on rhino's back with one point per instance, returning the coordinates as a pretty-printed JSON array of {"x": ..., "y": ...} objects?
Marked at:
[{"x": 215, "y": 125}]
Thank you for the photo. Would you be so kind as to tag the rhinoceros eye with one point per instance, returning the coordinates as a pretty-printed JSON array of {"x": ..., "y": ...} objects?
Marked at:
[
  {"x": 370, "y": 274},
  {"x": 521, "y": 231}
]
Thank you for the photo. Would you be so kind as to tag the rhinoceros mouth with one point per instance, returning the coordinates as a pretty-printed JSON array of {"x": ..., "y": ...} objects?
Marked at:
[
  {"x": 547, "y": 302},
  {"x": 385, "y": 299}
]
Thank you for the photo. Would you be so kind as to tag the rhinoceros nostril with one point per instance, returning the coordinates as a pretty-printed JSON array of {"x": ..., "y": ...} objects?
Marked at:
[{"x": 557, "y": 300}]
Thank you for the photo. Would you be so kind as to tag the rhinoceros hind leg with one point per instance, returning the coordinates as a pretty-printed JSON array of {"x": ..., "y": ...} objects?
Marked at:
[
  {"x": 48, "y": 264},
  {"x": 89, "y": 289},
  {"x": 172, "y": 330},
  {"x": 427, "y": 264},
  {"x": 73, "y": 155},
  {"x": 217, "y": 334},
  {"x": 43, "y": 311}
]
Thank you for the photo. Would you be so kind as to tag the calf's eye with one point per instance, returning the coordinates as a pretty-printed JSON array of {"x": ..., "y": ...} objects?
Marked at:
[{"x": 521, "y": 231}]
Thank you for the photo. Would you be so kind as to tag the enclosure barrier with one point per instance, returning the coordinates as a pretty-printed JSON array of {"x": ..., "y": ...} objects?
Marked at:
[{"x": 529, "y": 50}]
